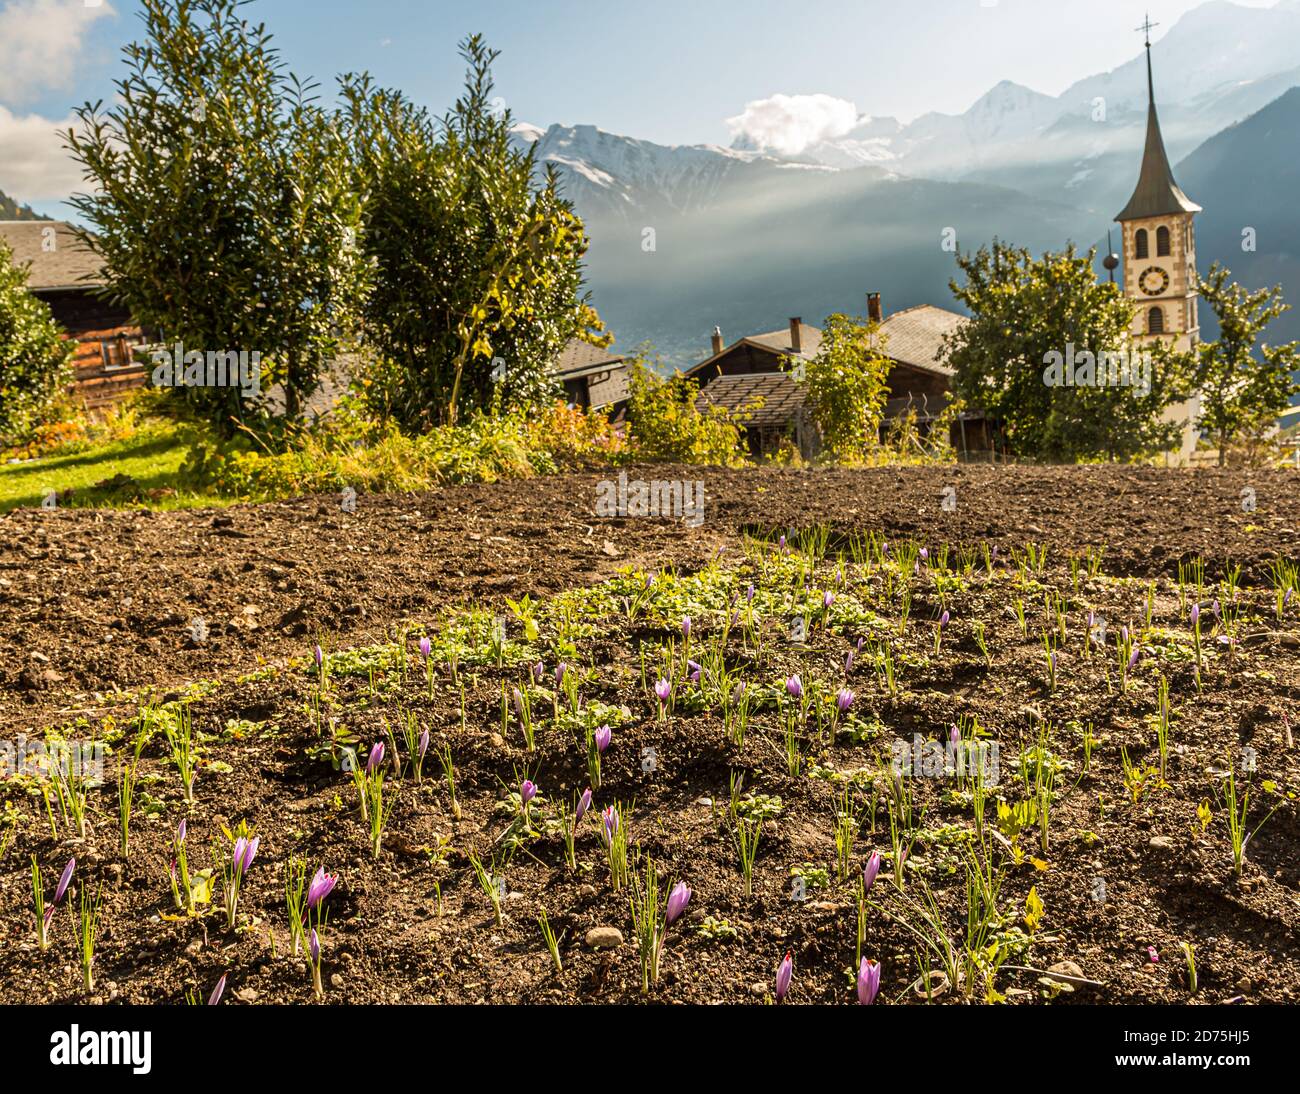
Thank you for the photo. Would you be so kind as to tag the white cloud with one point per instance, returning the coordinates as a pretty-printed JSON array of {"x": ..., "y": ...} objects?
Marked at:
[
  {"x": 787, "y": 124},
  {"x": 34, "y": 166},
  {"x": 40, "y": 44}
]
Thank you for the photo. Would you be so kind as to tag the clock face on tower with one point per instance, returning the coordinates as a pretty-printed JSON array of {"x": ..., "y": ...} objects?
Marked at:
[{"x": 1153, "y": 281}]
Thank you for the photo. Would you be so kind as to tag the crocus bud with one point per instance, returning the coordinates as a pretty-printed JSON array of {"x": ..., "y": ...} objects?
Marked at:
[
  {"x": 794, "y": 686},
  {"x": 314, "y": 946},
  {"x": 783, "y": 974},
  {"x": 517, "y": 698},
  {"x": 66, "y": 877},
  {"x": 318, "y": 655},
  {"x": 954, "y": 736},
  {"x": 848, "y": 662},
  {"x": 943, "y": 619},
  {"x": 663, "y": 689},
  {"x": 527, "y": 791},
  {"x": 539, "y": 672},
  {"x": 686, "y": 626},
  {"x": 868, "y": 981},
  {"x": 693, "y": 671},
  {"x": 424, "y": 743},
  {"x": 584, "y": 803},
  {"x": 376, "y": 757},
  {"x": 250, "y": 853},
  {"x": 425, "y": 647},
  {"x": 749, "y": 595},
  {"x": 843, "y": 700},
  {"x": 603, "y": 735},
  {"x": 215, "y": 997},
  {"x": 560, "y": 670},
  {"x": 828, "y": 598},
  {"x": 677, "y": 901},
  {"x": 1196, "y": 614},
  {"x": 870, "y": 871},
  {"x": 610, "y": 822}
]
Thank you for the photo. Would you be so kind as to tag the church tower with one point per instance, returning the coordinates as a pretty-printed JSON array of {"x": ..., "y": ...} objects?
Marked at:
[{"x": 1159, "y": 242}]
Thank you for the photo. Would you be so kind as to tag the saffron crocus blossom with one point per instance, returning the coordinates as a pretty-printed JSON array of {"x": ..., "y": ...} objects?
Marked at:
[
  {"x": 677, "y": 901},
  {"x": 181, "y": 830},
  {"x": 943, "y": 619},
  {"x": 603, "y": 735},
  {"x": 794, "y": 686},
  {"x": 781, "y": 544},
  {"x": 663, "y": 691},
  {"x": 686, "y": 626},
  {"x": 584, "y": 803},
  {"x": 610, "y": 822},
  {"x": 425, "y": 647},
  {"x": 693, "y": 671},
  {"x": 1195, "y": 614},
  {"x": 517, "y": 701},
  {"x": 848, "y": 662},
  {"x": 843, "y": 700},
  {"x": 376, "y": 757},
  {"x": 828, "y": 598},
  {"x": 527, "y": 791},
  {"x": 560, "y": 670},
  {"x": 423, "y": 744},
  {"x": 218, "y": 991},
  {"x": 318, "y": 656},
  {"x": 64, "y": 879},
  {"x": 954, "y": 735},
  {"x": 784, "y": 973},
  {"x": 870, "y": 871},
  {"x": 313, "y": 949},
  {"x": 539, "y": 672},
  {"x": 322, "y": 884},
  {"x": 245, "y": 852},
  {"x": 749, "y": 595},
  {"x": 868, "y": 981}
]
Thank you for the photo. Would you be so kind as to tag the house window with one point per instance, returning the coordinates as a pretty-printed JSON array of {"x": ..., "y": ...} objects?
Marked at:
[
  {"x": 1140, "y": 243},
  {"x": 1155, "y": 321},
  {"x": 1162, "y": 240}
]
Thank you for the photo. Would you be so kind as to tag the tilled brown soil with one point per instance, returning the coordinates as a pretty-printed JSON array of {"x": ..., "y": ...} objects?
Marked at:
[{"x": 95, "y": 601}]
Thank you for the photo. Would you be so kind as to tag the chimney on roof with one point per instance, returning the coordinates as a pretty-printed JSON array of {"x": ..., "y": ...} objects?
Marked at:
[
  {"x": 874, "y": 312},
  {"x": 717, "y": 340},
  {"x": 796, "y": 343}
]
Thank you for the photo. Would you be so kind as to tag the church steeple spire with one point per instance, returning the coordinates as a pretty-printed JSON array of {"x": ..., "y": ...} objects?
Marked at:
[{"x": 1157, "y": 193}]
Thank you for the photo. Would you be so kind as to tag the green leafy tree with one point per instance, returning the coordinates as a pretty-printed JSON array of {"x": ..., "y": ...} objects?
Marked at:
[
  {"x": 34, "y": 354},
  {"x": 1043, "y": 335},
  {"x": 1242, "y": 393},
  {"x": 848, "y": 387},
  {"x": 667, "y": 425},
  {"x": 223, "y": 202},
  {"x": 478, "y": 264}
]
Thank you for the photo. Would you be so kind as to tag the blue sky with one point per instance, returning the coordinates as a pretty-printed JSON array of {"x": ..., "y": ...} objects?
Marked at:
[{"x": 671, "y": 72}]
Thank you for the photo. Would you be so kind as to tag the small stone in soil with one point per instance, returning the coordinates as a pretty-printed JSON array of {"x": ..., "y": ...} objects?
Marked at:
[{"x": 604, "y": 938}]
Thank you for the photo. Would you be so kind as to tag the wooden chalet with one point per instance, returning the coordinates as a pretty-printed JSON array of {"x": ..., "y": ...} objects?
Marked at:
[{"x": 65, "y": 274}]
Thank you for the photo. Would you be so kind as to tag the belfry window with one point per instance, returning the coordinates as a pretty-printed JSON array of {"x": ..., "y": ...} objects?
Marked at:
[
  {"x": 1140, "y": 243},
  {"x": 1155, "y": 321},
  {"x": 1162, "y": 240}
]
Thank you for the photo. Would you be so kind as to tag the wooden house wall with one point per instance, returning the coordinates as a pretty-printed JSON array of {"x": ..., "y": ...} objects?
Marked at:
[{"x": 104, "y": 333}]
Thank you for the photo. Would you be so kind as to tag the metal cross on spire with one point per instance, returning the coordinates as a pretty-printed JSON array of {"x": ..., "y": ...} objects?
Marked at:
[{"x": 1146, "y": 27}]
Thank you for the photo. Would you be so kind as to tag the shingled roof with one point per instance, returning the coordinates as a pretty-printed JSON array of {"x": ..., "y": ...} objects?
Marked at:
[
  {"x": 579, "y": 358},
  {"x": 914, "y": 336},
  {"x": 57, "y": 258},
  {"x": 780, "y": 396}
]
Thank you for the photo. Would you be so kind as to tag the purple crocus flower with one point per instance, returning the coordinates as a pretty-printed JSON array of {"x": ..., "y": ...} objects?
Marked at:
[
  {"x": 828, "y": 598},
  {"x": 862, "y": 641},
  {"x": 560, "y": 670},
  {"x": 64, "y": 878},
  {"x": 244, "y": 856},
  {"x": 749, "y": 595},
  {"x": 180, "y": 831},
  {"x": 1214, "y": 607},
  {"x": 663, "y": 689},
  {"x": 425, "y": 647},
  {"x": 781, "y": 544},
  {"x": 843, "y": 700},
  {"x": 584, "y": 803},
  {"x": 925, "y": 554},
  {"x": 686, "y": 626},
  {"x": 527, "y": 791},
  {"x": 603, "y": 735},
  {"x": 677, "y": 901},
  {"x": 539, "y": 672},
  {"x": 784, "y": 973},
  {"x": 1133, "y": 657},
  {"x": 517, "y": 698},
  {"x": 870, "y": 871},
  {"x": 1153, "y": 954},
  {"x": 217, "y": 992},
  {"x": 610, "y": 822},
  {"x": 322, "y": 884},
  {"x": 794, "y": 686},
  {"x": 693, "y": 671},
  {"x": 954, "y": 735},
  {"x": 318, "y": 655},
  {"x": 314, "y": 946},
  {"x": 376, "y": 757},
  {"x": 868, "y": 981},
  {"x": 943, "y": 619},
  {"x": 649, "y": 581},
  {"x": 1195, "y": 614},
  {"x": 423, "y": 743},
  {"x": 848, "y": 662}
]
